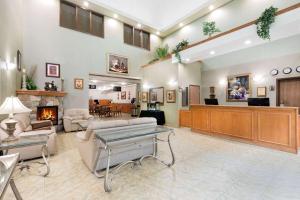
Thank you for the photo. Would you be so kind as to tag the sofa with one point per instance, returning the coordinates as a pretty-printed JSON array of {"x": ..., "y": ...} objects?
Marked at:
[
  {"x": 72, "y": 117},
  {"x": 88, "y": 145},
  {"x": 26, "y": 127}
]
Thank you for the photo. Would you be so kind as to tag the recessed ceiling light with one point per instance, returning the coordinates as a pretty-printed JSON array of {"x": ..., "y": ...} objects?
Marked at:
[
  {"x": 188, "y": 60},
  {"x": 211, "y": 7},
  {"x": 139, "y": 25},
  {"x": 86, "y": 4},
  {"x": 116, "y": 16},
  {"x": 123, "y": 83},
  {"x": 212, "y": 53},
  {"x": 248, "y": 42},
  {"x": 157, "y": 33},
  {"x": 181, "y": 24}
]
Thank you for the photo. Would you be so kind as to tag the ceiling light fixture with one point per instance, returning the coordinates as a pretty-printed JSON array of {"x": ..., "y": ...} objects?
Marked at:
[
  {"x": 212, "y": 53},
  {"x": 157, "y": 33},
  {"x": 247, "y": 42},
  {"x": 139, "y": 25},
  {"x": 86, "y": 4},
  {"x": 188, "y": 60},
  {"x": 211, "y": 7},
  {"x": 123, "y": 83},
  {"x": 181, "y": 24},
  {"x": 116, "y": 16}
]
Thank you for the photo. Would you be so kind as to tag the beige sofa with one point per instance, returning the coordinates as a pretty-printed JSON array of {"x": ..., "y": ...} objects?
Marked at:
[
  {"x": 24, "y": 128},
  {"x": 72, "y": 117},
  {"x": 88, "y": 144}
]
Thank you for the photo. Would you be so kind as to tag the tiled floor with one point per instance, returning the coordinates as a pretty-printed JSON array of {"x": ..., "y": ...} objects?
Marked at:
[{"x": 206, "y": 168}]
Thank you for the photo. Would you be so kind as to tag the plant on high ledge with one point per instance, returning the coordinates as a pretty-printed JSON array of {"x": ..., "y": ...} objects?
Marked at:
[
  {"x": 179, "y": 47},
  {"x": 162, "y": 52},
  {"x": 264, "y": 22},
  {"x": 209, "y": 28}
]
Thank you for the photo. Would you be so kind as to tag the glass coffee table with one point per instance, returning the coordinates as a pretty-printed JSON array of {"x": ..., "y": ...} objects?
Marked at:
[
  {"x": 113, "y": 141},
  {"x": 7, "y": 166},
  {"x": 31, "y": 140},
  {"x": 83, "y": 125}
]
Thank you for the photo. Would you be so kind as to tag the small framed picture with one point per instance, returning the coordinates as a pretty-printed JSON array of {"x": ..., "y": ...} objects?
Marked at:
[
  {"x": 261, "y": 91},
  {"x": 117, "y": 64},
  {"x": 171, "y": 96},
  {"x": 123, "y": 95},
  {"x": 52, "y": 70},
  {"x": 144, "y": 96},
  {"x": 78, "y": 83}
]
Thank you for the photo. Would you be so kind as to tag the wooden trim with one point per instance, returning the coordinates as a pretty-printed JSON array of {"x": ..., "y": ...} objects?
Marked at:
[
  {"x": 280, "y": 12},
  {"x": 158, "y": 61},
  {"x": 41, "y": 93}
]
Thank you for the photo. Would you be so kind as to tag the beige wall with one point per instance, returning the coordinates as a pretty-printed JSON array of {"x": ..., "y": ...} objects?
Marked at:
[
  {"x": 78, "y": 54},
  {"x": 227, "y": 17}
]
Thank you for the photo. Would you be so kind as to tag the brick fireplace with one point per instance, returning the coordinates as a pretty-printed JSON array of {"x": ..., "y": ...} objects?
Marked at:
[{"x": 44, "y": 105}]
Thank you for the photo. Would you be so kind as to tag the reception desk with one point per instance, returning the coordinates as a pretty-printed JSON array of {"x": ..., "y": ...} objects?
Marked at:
[{"x": 273, "y": 127}]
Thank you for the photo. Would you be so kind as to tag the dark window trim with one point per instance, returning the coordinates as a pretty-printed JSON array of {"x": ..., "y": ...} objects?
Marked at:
[{"x": 91, "y": 12}]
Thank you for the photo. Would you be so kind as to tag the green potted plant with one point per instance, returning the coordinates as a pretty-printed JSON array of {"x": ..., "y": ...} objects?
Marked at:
[
  {"x": 162, "y": 52},
  {"x": 209, "y": 28},
  {"x": 264, "y": 22},
  {"x": 179, "y": 47},
  {"x": 30, "y": 85}
]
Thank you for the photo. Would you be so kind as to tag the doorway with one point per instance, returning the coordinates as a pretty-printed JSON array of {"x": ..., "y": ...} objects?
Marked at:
[{"x": 288, "y": 92}]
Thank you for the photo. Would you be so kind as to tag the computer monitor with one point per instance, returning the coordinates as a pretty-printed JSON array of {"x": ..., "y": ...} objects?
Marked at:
[
  {"x": 258, "y": 102},
  {"x": 211, "y": 101}
]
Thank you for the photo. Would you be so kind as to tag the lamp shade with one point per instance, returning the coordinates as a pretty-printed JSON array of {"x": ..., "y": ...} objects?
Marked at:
[{"x": 13, "y": 105}]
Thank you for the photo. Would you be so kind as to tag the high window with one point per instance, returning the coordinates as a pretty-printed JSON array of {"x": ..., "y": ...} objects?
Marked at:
[{"x": 136, "y": 37}]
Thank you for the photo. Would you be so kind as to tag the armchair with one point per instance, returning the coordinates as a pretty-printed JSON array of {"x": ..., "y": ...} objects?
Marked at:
[{"x": 73, "y": 116}]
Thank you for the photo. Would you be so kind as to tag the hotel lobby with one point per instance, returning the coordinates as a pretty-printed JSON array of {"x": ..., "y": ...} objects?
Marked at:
[{"x": 149, "y": 99}]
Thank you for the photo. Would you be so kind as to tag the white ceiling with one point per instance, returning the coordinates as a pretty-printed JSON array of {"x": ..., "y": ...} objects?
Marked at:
[{"x": 157, "y": 14}]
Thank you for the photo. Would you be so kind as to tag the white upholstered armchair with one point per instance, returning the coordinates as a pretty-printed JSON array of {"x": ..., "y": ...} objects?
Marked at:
[{"x": 72, "y": 117}]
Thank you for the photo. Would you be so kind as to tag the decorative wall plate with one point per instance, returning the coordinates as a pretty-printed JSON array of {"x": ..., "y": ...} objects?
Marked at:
[
  {"x": 274, "y": 72},
  {"x": 298, "y": 69},
  {"x": 287, "y": 70}
]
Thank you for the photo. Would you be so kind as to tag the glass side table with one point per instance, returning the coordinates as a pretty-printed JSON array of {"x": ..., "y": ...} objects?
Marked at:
[
  {"x": 31, "y": 140},
  {"x": 83, "y": 125},
  {"x": 7, "y": 166}
]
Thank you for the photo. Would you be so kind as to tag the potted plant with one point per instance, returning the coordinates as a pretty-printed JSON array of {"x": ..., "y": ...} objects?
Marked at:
[
  {"x": 264, "y": 22},
  {"x": 179, "y": 47},
  {"x": 209, "y": 28}
]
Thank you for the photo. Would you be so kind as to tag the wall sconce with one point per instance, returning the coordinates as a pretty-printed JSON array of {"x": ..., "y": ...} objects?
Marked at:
[
  {"x": 222, "y": 82},
  {"x": 172, "y": 83},
  {"x": 146, "y": 86},
  {"x": 258, "y": 78}
]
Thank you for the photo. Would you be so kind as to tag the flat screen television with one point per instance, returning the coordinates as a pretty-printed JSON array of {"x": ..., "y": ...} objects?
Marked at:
[
  {"x": 117, "y": 89},
  {"x": 258, "y": 102},
  {"x": 211, "y": 101}
]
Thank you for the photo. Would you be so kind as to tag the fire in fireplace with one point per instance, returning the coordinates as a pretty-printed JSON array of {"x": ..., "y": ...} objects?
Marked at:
[{"x": 47, "y": 113}]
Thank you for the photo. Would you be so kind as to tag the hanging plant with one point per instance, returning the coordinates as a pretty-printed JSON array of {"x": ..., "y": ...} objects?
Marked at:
[
  {"x": 209, "y": 28},
  {"x": 179, "y": 47},
  {"x": 264, "y": 23}
]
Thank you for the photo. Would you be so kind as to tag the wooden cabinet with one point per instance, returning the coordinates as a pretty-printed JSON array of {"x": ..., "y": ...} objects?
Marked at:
[
  {"x": 274, "y": 127},
  {"x": 185, "y": 118}
]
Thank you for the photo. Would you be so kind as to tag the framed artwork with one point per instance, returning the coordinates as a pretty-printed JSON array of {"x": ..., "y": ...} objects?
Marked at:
[
  {"x": 117, "y": 64},
  {"x": 261, "y": 91},
  {"x": 78, "y": 83},
  {"x": 144, "y": 96},
  {"x": 19, "y": 60},
  {"x": 123, "y": 95},
  {"x": 171, "y": 96},
  {"x": 53, "y": 70},
  {"x": 238, "y": 88},
  {"x": 156, "y": 95}
]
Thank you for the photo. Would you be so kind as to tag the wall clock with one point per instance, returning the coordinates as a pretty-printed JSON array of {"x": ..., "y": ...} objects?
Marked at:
[
  {"x": 298, "y": 69},
  {"x": 287, "y": 70},
  {"x": 274, "y": 72}
]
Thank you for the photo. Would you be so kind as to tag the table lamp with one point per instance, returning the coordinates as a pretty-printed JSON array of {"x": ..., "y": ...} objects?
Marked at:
[{"x": 11, "y": 106}]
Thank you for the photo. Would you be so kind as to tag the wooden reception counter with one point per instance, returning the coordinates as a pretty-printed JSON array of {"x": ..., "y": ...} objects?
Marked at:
[{"x": 274, "y": 127}]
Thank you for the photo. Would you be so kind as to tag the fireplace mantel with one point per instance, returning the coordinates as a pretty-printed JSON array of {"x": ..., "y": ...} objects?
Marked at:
[{"x": 41, "y": 93}]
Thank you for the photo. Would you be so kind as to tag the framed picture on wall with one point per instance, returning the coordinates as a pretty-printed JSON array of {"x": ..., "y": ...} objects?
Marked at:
[
  {"x": 156, "y": 95},
  {"x": 171, "y": 96},
  {"x": 52, "y": 70},
  {"x": 117, "y": 64},
  {"x": 238, "y": 88},
  {"x": 261, "y": 91},
  {"x": 123, "y": 95},
  {"x": 144, "y": 97},
  {"x": 78, "y": 83}
]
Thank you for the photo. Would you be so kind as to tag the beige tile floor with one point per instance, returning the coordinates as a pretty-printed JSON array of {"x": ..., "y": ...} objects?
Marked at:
[{"x": 206, "y": 168}]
